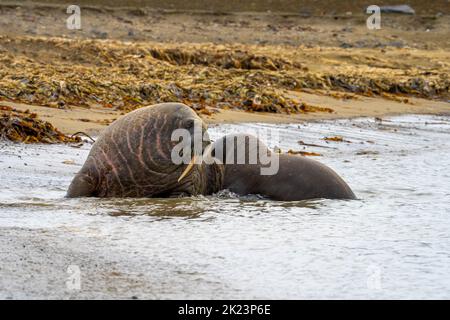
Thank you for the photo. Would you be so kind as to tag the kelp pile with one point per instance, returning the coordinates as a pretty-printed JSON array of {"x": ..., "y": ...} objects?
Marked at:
[
  {"x": 236, "y": 59},
  {"x": 27, "y": 128},
  {"x": 125, "y": 76}
]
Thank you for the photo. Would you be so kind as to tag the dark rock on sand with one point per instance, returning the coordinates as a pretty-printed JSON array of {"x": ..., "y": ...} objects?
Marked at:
[{"x": 402, "y": 9}]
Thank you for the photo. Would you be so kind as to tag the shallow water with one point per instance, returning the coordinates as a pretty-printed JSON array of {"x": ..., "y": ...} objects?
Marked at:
[{"x": 391, "y": 243}]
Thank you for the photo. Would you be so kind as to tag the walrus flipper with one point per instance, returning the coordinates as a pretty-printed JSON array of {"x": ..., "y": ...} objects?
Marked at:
[{"x": 81, "y": 186}]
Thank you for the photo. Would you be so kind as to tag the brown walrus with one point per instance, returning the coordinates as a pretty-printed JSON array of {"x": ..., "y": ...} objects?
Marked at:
[
  {"x": 297, "y": 177},
  {"x": 132, "y": 158}
]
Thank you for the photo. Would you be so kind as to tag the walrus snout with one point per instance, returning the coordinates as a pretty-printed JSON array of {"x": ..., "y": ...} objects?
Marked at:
[{"x": 199, "y": 142}]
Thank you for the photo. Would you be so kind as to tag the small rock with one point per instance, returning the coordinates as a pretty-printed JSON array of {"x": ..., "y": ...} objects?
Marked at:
[
  {"x": 396, "y": 44},
  {"x": 305, "y": 13},
  {"x": 100, "y": 34},
  {"x": 402, "y": 9},
  {"x": 272, "y": 28},
  {"x": 139, "y": 12},
  {"x": 346, "y": 45},
  {"x": 31, "y": 31},
  {"x": 366, "y": 152}
]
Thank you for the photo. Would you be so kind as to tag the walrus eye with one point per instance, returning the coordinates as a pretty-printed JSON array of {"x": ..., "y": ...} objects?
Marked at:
[{"x": 189, "y": 123}]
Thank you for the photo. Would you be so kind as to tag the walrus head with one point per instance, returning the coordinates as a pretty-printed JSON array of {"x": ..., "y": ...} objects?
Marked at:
[
  {"x": 239, "y": 148},
  {"x": 134, "y": 157},
  {"x": 196, "y": 176}
]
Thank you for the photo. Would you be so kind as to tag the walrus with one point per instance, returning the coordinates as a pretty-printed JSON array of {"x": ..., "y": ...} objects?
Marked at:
[
  {"x": 297, "y": 177},
  {"x": 132, "y": 158}
]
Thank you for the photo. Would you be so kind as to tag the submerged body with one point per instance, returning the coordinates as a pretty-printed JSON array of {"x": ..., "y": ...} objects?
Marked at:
[
  {"x": 297, "y": 178},
  {"x": 132, "y": 158}
]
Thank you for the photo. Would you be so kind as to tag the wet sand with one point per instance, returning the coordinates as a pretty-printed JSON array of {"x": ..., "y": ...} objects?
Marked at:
[
  {"x": 317, "y": 23},
  {"x": 37, "y": 262}
]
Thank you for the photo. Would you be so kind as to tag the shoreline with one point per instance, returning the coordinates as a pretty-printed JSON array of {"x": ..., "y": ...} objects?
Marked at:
[{"x": 93, "y": 120}]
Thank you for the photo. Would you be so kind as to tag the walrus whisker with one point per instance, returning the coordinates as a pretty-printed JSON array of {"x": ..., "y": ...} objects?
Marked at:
[{"x": 188, "y": 168}]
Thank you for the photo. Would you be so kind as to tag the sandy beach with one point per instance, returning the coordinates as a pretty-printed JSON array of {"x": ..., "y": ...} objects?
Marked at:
[
  {"x": 94, "y": 119},
  {"x": 230, "y": 67}
]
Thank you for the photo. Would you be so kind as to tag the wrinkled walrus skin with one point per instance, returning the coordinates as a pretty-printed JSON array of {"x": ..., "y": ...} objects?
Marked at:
[
  {"x": 298, "y": 178},
  {"x": 132, "y": 158}
]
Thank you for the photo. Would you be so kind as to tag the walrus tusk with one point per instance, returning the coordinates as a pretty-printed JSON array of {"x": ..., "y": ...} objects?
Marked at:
[{"x": 188, "y": 168}]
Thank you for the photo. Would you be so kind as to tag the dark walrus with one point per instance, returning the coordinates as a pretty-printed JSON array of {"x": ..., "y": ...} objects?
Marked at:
[
  {"x": 298, "y": 178},
  {"x": 132, "y": 158}
]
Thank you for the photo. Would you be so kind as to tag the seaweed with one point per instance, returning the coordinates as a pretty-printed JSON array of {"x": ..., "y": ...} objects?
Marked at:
[
  {"x": 126, "y": 76},
  {"x": 304, "y": 153},
  {"x": 25, "y": 127}
]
